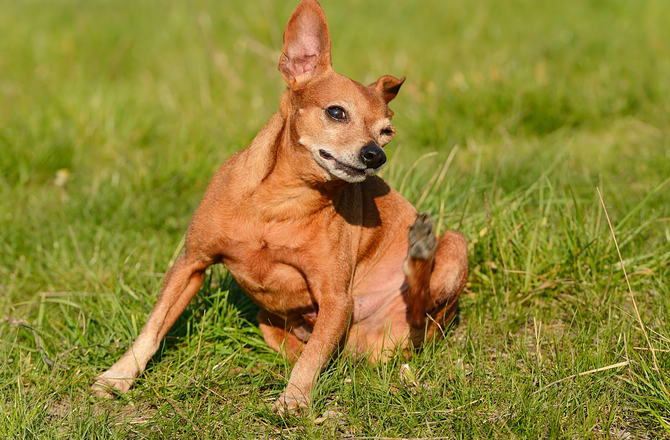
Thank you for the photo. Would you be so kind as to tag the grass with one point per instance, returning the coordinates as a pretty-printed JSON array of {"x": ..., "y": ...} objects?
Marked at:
[{"x": 529, "y": 106}]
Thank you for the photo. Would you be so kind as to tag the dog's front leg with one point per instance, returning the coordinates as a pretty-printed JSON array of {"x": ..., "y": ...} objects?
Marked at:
[
  {"x": 335, "y": 311},
  {"x": 180, "y": 286}
]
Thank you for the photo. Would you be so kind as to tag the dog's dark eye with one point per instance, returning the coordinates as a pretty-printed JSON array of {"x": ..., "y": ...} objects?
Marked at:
[{"x": 337, "y": 113}]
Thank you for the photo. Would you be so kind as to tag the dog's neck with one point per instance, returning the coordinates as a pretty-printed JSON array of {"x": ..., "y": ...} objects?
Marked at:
[{"x": 288, "y": 183}]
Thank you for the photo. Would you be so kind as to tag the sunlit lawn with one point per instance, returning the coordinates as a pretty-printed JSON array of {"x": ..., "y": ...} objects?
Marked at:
[{"x": 115, "y": 115}]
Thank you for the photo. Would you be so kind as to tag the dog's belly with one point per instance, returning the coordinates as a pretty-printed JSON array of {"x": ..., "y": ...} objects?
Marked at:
[
  {"x": 383, "y": 331},
  {"x": 380, "y": 323},
  {"x": 377, "y": 294},
  {"x": 379, "y": 281},
  {"x": 380, "y": 312}
]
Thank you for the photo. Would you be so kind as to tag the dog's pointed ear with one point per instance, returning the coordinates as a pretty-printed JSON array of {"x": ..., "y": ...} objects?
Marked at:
[
  {"x": 387, "y": 86},
  {"x": 306, "y": 50}
]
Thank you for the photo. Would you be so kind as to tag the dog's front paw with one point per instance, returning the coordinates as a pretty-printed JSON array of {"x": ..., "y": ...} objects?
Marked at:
[
  {"x": 107, "y": 384},
  {"x": 289, "y": 404},
  {"x": 422, "y": 241}
]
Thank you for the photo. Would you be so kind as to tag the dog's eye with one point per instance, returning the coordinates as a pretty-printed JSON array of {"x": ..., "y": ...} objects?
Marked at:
[
  {"x": 388, "y": 131},
  {"x": 337, "y": 113}
]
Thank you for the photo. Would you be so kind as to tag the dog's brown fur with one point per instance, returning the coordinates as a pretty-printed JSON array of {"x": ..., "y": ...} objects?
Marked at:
[{"x": 331, "y": 254}]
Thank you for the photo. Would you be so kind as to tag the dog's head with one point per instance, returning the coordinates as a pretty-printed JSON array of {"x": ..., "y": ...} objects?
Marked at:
[{"x": 343, "y": 124}]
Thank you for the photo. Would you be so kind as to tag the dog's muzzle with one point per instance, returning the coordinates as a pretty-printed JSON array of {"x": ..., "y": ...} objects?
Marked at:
[{"x": 372, "y": 156}]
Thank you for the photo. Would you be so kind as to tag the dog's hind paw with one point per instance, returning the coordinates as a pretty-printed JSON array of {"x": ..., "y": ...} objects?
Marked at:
[{"x": 422, "y": 241}]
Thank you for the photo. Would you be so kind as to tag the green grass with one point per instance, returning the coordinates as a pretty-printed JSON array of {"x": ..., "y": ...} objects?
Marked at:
[{"x": 540, "y": 103}]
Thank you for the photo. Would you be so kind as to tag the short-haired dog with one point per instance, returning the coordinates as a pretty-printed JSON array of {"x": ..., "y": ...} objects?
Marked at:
[{"x": 333, "y": 256}]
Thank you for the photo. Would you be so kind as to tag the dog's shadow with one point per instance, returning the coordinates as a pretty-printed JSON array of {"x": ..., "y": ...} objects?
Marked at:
[
  {"x": 363, "y": 194},
  {"x": 222, "y": 303}
]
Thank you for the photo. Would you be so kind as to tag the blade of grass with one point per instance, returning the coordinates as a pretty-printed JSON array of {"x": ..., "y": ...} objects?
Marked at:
[{"x": 632, "y": 296}]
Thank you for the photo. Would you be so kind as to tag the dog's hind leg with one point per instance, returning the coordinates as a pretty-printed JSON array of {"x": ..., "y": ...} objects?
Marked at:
[
  {"x": 180, "y": 286},
  {"x": 450, "y": 273},
  {"x": 278, "y": 336},
  {"x": 436, "y": 272},
  {"x": 418, "y": 267}
]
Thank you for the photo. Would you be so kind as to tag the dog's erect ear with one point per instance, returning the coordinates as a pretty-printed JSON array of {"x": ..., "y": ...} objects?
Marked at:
[
  {"x": 306, "y": 51},
  {"x": 387, "y": 86}
]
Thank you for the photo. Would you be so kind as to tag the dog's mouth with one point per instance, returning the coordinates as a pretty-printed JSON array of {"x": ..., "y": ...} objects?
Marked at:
[{"x": 348, "y": 169}]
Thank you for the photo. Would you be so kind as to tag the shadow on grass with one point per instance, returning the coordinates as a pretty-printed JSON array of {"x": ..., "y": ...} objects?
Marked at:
[{"x": 220, "y": 302}]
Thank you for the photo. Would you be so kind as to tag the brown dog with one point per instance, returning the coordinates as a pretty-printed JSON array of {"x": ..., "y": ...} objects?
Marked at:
[{"x": 330, "y": 253}]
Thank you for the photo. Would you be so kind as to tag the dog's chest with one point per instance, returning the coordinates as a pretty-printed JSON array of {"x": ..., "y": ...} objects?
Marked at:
[{"x": 265, "y": 259}]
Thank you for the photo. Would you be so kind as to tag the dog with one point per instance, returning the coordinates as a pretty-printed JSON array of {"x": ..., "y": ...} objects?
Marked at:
[{"x": 334, "y": 257}]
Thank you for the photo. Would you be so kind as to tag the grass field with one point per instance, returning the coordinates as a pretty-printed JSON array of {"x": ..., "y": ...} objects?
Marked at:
[{"x": 115, "y": 115}]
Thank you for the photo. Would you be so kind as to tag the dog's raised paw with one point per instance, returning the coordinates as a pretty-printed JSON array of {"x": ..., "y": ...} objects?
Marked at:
[{"x": 422, "y": 241}]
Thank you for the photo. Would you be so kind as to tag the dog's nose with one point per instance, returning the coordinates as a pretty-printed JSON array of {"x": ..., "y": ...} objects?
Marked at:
[{"x": 373, "y": 156}]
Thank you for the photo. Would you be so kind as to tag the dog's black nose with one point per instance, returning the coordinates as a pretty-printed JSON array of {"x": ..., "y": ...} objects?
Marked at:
[{"x": 373, "y": 156}]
